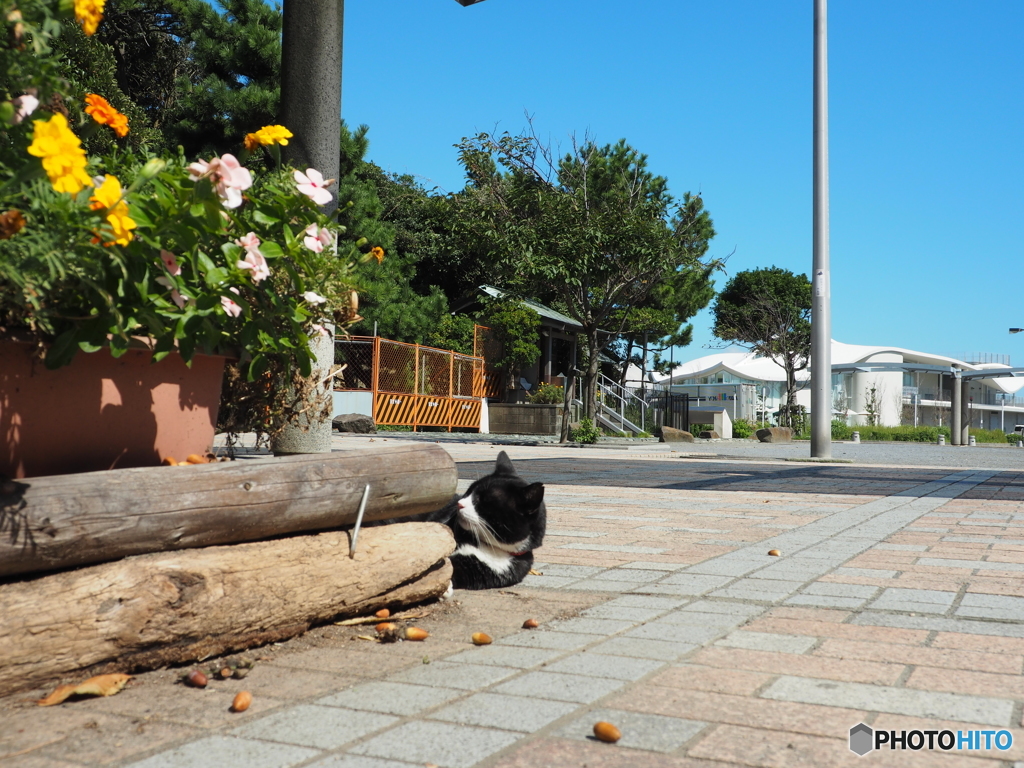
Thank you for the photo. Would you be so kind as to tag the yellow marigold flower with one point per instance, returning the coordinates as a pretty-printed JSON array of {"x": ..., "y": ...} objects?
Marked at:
[
  {"x": 89, "y": 14},
  {"x": 104, "y": 114},
  {"x": 378, "y": 253},
  {"x": 62, "y": 154},
  {"x": 267, "y": 135},
  {"x": 108, "y": 197}
]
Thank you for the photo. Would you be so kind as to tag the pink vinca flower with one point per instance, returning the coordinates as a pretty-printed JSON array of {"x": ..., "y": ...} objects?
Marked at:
[
  {"x": 230, "y": 307},
  {"x": 24, "y": 106},
  {"x": 176, "y": 297},
  {"x": 248, "y": 241},
  {"x": 317, "y": 238},
  {"x": 313, "y": 297},
  {"x": 321, "y": 330},
  {"x": 226, "y": 174},
  {"x": 255, "y": 261},
  {"x": 170, "y": 262},
  {"x": 312, "y": 185}
]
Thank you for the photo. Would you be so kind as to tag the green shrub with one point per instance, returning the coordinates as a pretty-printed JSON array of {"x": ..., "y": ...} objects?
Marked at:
[
  {"x": 586, "y": 432},
  {"x": 696, "y": 429},
  {"x": 841, "y": 430},
  {"x": 988, "y": 435},
  {"x": 1014, "y": 437},
  {"x": 548, "y": 394},
  {"x": 743, "y": 428}
]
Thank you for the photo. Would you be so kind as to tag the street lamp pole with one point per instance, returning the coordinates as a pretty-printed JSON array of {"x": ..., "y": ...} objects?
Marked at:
[{"x": 821, "y": 303}]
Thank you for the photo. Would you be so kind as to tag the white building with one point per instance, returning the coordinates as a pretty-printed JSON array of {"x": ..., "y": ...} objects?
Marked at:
[{"x": 917, "y": 389}]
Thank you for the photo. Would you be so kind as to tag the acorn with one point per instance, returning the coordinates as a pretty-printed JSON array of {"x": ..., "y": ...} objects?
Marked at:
[
  {"x": 241, "y": 702},
  {"x": 531, "y": 624},
  {"x": 225, "y": 673},
  {"x": 479, "y": 638},
  {"x": 196, "y": 679},
  {"x": 414, "y": 633},
  {"x": 607, "y": 732},
  {"x": 169, "y": 461},
  {"x": 773, "y": 552},
  {"x": 383, "y": 613},
  {"x": 195, "y": 458},
  {"x": 385, "y": 626}
]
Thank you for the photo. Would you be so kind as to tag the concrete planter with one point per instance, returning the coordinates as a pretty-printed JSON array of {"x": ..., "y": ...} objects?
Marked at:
[
  {"x": 102, "y": 412},
  {"x": 524, "y": 419}
]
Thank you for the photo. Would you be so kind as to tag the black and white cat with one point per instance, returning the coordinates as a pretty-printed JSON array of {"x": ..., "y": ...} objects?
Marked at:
[{"x": 497, "y": 523}]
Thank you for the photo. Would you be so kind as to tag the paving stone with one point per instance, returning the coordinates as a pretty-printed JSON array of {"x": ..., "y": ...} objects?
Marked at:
[
  {"x": 979, "y": 565},
  {"x": 639, "y": 731},
  {"x": 598, "y": 665},
  {"x": 549, "y": 582},
  {"x": 636, "y": 647},
  {"x": 723, "y": 606},
  {"x": 651, "y": 566},
  {"x": 561, "y": 641},
  {"x": 761, "y": 591},
  {"x": 902, "y": 547},
  {"x": 510, "y": 713},
  {"x": 308, "y": 725},
  {"x": 355, "y": 761},
  {"x": 627, "y": 518},
  {"x": 914, "y": 600},
  {"x": 866, "y": 573},
  {"x": 451, "y": 675},
  {"x": 391, "y": 698},
  {"x": 695, "y": 634},
  {"x": 694, "y": 583},
  {"x": 577, "y": 534},
  {"x": 982, "y": 606},
  {"x": 616, "y": 587},
  {"x": 899, "y": 701},
  {"x": 768, "y": 641},
  {"x": 589, "y": 626},
  {"x": 646, "y": 601},
  {"x": 639, "y": 575},
  {"x": 622, "y": 613},
  {"x": 623, "y": 548},
  {"x": 732, "y": 567},
  {"x": 700, "y": 619},
  {"x": 560, "y": 687},
  {"x": 506, "y": 656},
  {"x": 229, "y": 751},
  {"x": 939, "y": 624},
  {"x": 826, "y": 601},
  {"x": 837, "y": 589},
  {"x": 566, "y": 570},
  {"x": 445, "y": 744}
]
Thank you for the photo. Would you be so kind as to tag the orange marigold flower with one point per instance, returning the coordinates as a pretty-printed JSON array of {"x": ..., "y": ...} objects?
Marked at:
[
  {"x": 89, "y": 14},
  {"x": 104, "y": 114},
  {"x": 11, "y": 223},
  {"x": 378, "y": 253}
]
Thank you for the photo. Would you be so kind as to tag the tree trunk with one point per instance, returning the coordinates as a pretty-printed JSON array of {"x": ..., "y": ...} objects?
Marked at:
[
  {"x": 593, "y": 367},
  {"x": 70, "y": 520},
  {"x": 166, "y": 608}
]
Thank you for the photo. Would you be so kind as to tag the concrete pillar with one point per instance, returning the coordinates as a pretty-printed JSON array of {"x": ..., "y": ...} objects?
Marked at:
[{"x": 956, "y": 411}]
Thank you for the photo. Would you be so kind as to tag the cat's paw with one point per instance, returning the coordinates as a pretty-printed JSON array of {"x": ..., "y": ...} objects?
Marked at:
[{"x": 448, "y": 592}]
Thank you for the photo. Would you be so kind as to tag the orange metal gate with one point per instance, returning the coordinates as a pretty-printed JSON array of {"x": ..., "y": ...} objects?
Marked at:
[{"x": 411, "y": 384}]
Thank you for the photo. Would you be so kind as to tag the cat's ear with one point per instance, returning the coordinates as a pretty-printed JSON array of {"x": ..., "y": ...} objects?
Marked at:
[
  {"x": 504, "y": 465},
  {"x": 533, "y": 496}
]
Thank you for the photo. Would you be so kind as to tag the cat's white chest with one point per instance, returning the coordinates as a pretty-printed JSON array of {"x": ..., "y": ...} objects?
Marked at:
[{"x": 495, "y": 559}]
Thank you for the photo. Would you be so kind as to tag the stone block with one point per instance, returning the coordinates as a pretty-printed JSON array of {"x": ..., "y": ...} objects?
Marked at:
[
  {"x": 709, "y": 434},
  {"x": 672, "y": 435},
  {"x": 775, "y": 435},
  {"x": 358, "y": 423}
]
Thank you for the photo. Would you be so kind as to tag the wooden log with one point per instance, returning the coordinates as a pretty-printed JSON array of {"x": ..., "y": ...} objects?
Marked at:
[
  {"x": 157, "y": 609},
  {"x": 50, "y": 523}
]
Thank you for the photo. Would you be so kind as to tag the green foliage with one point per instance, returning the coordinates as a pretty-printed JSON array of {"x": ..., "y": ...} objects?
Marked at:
[
  {"x": 696, "y": 429},
  {"x": 591, "y": 233},
  {"x": 769, "y": 311},
  {"x": 841, "y": 430},
  {"x": 454, "y": 332},
  {"x": 897, "y": 434},
  {"x": 586, "y": 432},
  {"x": 517, "y": 327},
  {"x": 743, "y": 428},
  {"x": 548, "y": 394},
  {"x": 1013, "y": 438}
]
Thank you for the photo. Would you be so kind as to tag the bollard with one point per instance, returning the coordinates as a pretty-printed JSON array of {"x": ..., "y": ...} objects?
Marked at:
[
  {"x": 942, "y": 439},
  {"x": 856, "y": 437},
  {"x": 1020, "y": 444},
  {"x": 971, "y": 440}
]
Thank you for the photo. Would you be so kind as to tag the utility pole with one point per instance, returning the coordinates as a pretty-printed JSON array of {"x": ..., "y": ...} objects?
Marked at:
[{"x": 821, "y": 302}]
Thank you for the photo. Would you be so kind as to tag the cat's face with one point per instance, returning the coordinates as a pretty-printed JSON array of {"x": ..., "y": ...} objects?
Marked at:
[{"x": 503, "y": 511}]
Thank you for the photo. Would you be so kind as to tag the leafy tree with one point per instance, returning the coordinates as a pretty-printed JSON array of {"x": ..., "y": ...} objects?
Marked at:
[
  {"x": 589, "y": 232},
  {"x": 769, "y": 312},
  {"x": 517, "y": 327}
]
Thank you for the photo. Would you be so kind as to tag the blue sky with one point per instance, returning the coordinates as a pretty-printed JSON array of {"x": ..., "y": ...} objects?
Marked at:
[{"x": 926, "y": 118}]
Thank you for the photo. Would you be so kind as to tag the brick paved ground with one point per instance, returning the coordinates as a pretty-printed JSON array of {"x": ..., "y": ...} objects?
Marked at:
[{"x": 898, "y": 601}]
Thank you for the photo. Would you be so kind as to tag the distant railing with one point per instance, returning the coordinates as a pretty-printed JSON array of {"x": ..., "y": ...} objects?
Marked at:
[{"x": 412, "y": 385}]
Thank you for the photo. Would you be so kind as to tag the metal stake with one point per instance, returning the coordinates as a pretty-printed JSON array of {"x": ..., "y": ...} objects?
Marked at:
[{"x": 359, "y": 521}]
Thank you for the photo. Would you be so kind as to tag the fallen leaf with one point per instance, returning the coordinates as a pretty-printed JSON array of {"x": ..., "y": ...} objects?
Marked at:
[
  {"x": 535, "y": 572},
  {"x": 101, "y": 685}
]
